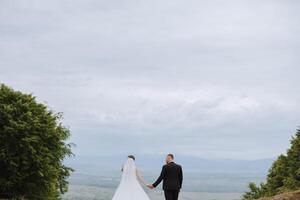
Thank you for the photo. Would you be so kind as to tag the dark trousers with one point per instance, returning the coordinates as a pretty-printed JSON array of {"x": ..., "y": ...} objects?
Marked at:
[{"x": 171, "y": 194}]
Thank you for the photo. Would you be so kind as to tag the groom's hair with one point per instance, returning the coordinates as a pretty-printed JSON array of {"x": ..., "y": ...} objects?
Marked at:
[
  {"x": 171, "y": 155},
  {"x": 131, "y": 156}
]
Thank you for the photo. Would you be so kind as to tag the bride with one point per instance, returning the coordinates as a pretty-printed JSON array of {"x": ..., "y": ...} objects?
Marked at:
[{"x": 130, "y": 188}]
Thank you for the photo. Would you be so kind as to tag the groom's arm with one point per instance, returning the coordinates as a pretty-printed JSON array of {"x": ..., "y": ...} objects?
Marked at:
[
  {"x": 180, "y": 176},
  {"x": 161, "y": 177}
]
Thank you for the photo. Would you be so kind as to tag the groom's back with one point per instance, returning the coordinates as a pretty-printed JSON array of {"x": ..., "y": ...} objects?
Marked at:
[{"x": 172, "y": 176}]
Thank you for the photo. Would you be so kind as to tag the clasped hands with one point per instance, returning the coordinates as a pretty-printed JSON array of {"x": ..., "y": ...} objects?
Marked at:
[{"x": 150, "y": 186}]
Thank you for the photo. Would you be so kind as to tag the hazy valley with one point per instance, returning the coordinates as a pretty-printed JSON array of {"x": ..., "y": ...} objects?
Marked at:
[{"x": 96, "y": 178}]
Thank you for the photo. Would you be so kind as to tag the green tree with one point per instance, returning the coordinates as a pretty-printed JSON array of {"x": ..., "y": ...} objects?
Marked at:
[
  {"x": 255, "y": 192},
  {"x": 32, "y": 148},
  {"x": 284, "y": 175},
  {"x": 277, "y": 176},
  {"x": 293, "y": 160}
]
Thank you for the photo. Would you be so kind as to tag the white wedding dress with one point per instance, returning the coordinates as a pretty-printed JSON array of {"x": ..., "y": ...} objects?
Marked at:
[{"x": 130, "y": 188}]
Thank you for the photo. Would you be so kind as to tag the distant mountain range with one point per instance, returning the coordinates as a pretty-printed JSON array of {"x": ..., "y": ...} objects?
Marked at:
[{"x": 96, "y": 164}]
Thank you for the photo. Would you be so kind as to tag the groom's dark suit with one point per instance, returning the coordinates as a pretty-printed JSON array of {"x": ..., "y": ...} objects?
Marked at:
[{"x": 171, "y": 175}]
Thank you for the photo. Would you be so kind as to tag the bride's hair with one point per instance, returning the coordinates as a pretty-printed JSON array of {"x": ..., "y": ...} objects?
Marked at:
[{"x": 131, "y": 156}]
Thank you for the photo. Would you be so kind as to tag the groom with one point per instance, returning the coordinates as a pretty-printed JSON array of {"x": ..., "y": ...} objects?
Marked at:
[{"x": 171, "y": 175}]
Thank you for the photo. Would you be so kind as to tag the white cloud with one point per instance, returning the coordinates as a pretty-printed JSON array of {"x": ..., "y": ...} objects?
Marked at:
[{"x": 205, "y": 78}]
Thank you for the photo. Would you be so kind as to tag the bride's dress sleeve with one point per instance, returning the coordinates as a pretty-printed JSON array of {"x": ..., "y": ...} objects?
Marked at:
[{"x": 140, "y": 178}]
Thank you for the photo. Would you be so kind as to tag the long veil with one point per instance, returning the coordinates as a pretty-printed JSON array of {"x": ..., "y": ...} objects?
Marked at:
[
  {"x": 129, "y": 172},
  {"x": 130, "y": 188}
]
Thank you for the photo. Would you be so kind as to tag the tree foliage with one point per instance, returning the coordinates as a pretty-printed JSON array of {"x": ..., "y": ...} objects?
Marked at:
[
  {"x": 32, "y": 148},
  {"x": 284, "y": 175}
]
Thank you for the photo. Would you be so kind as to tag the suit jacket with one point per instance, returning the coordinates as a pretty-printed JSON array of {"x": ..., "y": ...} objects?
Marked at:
[{"x": 171, "y": 175}]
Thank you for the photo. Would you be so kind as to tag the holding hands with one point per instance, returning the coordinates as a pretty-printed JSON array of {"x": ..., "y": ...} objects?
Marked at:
[{"x": 150, "y": 186}]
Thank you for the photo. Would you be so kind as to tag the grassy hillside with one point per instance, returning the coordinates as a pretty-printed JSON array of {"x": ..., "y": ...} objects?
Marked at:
[{"x": 286, "y": 196}]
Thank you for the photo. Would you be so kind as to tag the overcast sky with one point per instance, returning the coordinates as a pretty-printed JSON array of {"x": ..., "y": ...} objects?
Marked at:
[{"x": 213, "y": 79}]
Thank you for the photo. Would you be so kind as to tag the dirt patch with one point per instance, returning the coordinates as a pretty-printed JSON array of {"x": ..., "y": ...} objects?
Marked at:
[{"x": 286, "y": 196}]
